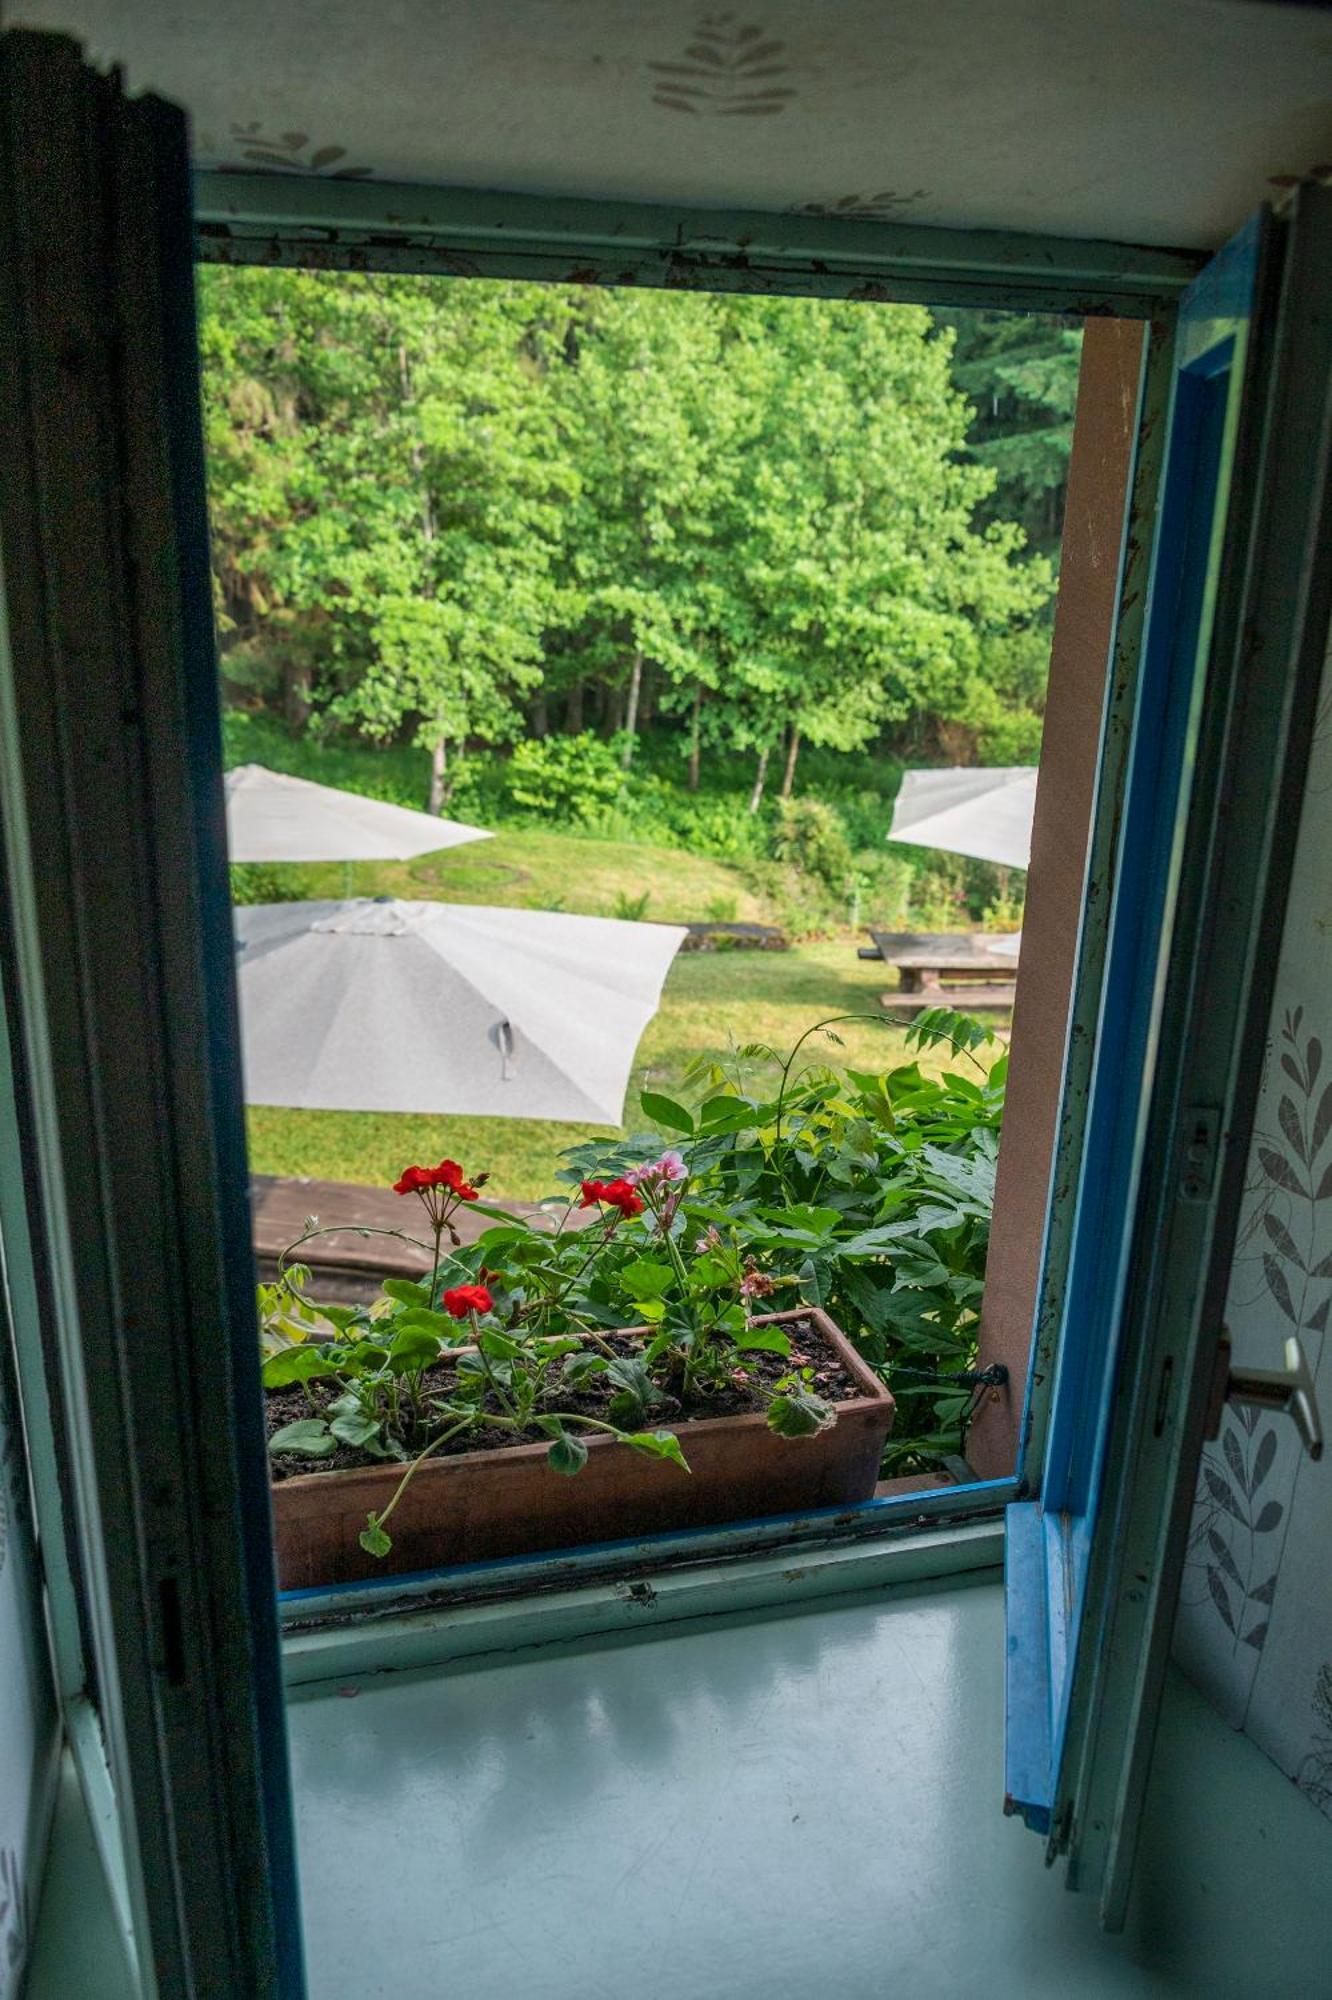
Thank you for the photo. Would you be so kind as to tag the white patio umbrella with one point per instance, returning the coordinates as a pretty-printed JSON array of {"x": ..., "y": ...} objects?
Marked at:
[
  {"x": 271, "y": 817},
  {"x": 984, "y": 813},
  {"x": 445, "y": 1007}
]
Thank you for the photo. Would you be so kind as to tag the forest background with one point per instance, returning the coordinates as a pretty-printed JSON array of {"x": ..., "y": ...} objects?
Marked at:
[{"x": 665, "y": 589}]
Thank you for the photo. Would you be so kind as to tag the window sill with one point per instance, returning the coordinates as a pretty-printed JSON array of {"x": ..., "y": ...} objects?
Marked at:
[{"x": 429, "y": 1620}]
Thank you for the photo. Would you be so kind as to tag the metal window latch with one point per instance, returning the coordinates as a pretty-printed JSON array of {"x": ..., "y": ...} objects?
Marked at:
[{"x": 1290, "y": 1389}]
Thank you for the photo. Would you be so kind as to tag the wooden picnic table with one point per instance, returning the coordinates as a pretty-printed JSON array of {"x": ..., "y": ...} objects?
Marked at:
[
  {"x": 346, "y": 1268},
  {"x": 939, "y": 967}
]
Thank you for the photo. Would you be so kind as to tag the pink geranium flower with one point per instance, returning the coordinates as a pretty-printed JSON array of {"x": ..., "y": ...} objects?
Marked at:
[{"x": 670, "y": 1167}]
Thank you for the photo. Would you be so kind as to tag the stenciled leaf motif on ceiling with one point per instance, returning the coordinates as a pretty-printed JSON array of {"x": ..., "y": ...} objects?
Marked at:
[
  {"x": 728, "y": 69},
  {"x": 860, "y": 207},
  {"x": 288, "y": 152}
]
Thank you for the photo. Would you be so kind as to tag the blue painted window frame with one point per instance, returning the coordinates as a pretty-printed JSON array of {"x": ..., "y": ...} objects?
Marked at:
[
  {"x": 380, "y": 226},
  {"x": 1050, "y": 1540}
]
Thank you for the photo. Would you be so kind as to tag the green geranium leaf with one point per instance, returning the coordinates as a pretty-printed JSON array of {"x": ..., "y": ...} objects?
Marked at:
[
  {"x": 498, "y": 1346},
  {"x": 405, "y": 1292},
  {"x": 296, "y": 1364},
  {"x": 580, "y": 1368},
  {"x": 665, "y": 1111},
  {"x": 568, "y": 1454},
  {"x": 764, "y": 1339},
  {"x": 800, "y": 1414},
  {"x": 413, "y": 1347},
  {"x": 629, "y": 1372},
  {"x": 373, "y": 1539},
  {"x": 355, "y": 1426},
  {"x": 501, "y": 1237},
  {"x": 310, "y": 1438},
  {"x": 658, "y": 1444},
  {"x": 443, "y": 1325},
  {"x": 365, "y": 1358},
  {"x": 646, "y": 1279}
]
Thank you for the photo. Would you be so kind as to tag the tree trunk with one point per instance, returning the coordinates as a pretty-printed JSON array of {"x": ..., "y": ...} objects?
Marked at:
[
  {"x": 573, "y": 710},
  {"x": 695, "y": 739},
  {"x": 631, "y": 709},
  {"x": 541, "y": 716},
  {"x": 612, "y": 712},
  {"x": 792, "y": 752},
  {"x": 760, "y": 778},
  {"x": 296, "y": 692},
  {"x": 418, "y": 467},
  {"x": 439, "y": 776}
]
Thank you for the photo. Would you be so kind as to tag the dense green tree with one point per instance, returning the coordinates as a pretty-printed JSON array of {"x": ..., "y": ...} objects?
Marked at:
[
  {"x": 875, "y": 592},
  {"x": 446, "y": 510},
  {"x": 1019, "y": 371},
  {"x": 386, "y": 491}
]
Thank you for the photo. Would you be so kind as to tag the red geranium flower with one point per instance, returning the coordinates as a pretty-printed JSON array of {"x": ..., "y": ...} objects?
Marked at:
[
  {"x": 612, "y": 1194},
  {"x": 448, "y": 1174},
  {"x": 464, "y": 1299}
]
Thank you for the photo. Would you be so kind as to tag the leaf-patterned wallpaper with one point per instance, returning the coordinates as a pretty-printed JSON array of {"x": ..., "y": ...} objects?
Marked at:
[{"x": 1255, "y": 1620}]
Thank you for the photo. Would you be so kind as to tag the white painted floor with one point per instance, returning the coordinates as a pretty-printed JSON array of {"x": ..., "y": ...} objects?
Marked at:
[
  {"x": 797, "y": 1807},
  {"x": 783, "y": 1807}
]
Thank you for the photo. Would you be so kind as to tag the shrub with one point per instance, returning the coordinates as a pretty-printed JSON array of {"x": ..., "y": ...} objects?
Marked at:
[
  {"x": 809, "y": 835},
  {"x": 656, "y": 810},
  {"x": 885, "y": 885},
  {"x": 799, "y": 904},
  {"x": 268, "y": 882},
  {"x": 564, "y": 777}
]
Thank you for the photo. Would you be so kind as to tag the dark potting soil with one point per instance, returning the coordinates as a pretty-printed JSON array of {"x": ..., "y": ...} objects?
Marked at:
[{"x": 832, "y": 1381}]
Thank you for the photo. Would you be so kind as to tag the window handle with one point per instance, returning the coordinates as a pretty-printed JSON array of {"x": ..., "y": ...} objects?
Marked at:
[{"x": 1290, "y": 1389}]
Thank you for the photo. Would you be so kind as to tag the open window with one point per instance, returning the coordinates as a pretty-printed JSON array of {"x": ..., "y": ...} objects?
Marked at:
[
  {"x": 451, "y": 510},
  {"x": 1135, "y": 1271},
  {"x": 123, "y": 1006}
]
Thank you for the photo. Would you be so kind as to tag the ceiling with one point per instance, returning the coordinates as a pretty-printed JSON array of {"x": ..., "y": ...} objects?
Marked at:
[{"x": 1147, "y": 121}]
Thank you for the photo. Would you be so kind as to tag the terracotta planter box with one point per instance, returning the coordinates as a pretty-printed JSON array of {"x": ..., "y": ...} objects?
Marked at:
[{"x": 484, "y": 1504}]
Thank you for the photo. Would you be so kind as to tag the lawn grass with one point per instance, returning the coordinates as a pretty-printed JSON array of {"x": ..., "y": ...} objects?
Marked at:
[
  {"x": 712, "y": 1000},
  {"x": 532, "y": 869}
]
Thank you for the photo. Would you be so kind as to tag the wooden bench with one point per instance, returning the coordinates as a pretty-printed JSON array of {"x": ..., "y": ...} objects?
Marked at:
[{"x": 939, "y": 969}]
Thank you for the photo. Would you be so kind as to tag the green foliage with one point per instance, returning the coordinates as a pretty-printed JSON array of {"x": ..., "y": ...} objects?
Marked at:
[
  {"x": 267, "y": 882},
  {"x": 809, "y": 835},
  {"x": 963, "y": 1033},
  {"x": 435, "y": 504},
  {"x": 573, "y": 779},
  {"x": 385, "y": 494},
  {"x": 867, "y": 1193},
  {"x": 1020, "y": 373}
]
